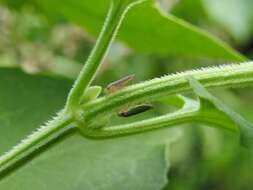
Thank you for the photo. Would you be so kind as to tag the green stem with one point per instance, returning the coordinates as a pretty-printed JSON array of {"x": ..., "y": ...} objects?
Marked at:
[
  {"x": 61, "y": 123},
  {"x": 230, "y": 75},
  {"x": 42, "y": 136},
  {"x": 112, "y": 24},
  {"x": 164, "y": 121},
  {"x": 234, "y": 75},
  {"x": 184, "y": 116},
  {"x": 218, "y": 76}
]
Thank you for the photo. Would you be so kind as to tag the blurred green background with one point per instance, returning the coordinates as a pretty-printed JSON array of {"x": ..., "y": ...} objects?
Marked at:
[{"x": 42, "y": 43}]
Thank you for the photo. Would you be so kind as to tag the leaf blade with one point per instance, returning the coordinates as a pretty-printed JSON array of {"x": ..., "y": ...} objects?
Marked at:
[{"x": 149, "y": 31}]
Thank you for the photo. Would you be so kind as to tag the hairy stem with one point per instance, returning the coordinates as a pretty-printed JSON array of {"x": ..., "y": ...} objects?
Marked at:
[
  {"x": 61, "y": 123},
  {"x": 116, "y": 13},
  {"x": 42, "y": 136},
  {"x": 234, "y": 75},
  {"x": 164, "y": 121},
  {"x": 229, "y": 75}
]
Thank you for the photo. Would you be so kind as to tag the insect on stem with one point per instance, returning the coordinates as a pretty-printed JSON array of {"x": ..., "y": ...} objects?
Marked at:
[
  {"x": 119, "y": 84},
  {"x": 136, "y": 110}
]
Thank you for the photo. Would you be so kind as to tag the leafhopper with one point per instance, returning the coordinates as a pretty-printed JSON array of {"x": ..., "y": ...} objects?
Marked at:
[
  {"x": 135, "y": 110},
  {"x": 119, "y": 84}
]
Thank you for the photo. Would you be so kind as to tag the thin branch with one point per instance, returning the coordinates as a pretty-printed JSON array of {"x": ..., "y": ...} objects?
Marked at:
[
  {"x": 116, "y": 14},
  {"x": 42, "y": 136},
  {"x": 233, "y": 75}
]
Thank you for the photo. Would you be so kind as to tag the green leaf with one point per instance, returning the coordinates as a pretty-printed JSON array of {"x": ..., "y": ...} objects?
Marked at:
[
  {"x": 190, "y": 10},
  {"x": 222, "y": 115},
  {"x": 73, "y": 162},
  {"x": 145, "y": 29}
]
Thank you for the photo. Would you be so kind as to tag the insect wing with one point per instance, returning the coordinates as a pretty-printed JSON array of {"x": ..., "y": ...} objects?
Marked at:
[{"x": 119, "y": 84}]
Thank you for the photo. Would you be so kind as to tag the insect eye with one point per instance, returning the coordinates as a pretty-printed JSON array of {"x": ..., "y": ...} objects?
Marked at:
[{"x": 135, "y": 110}]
